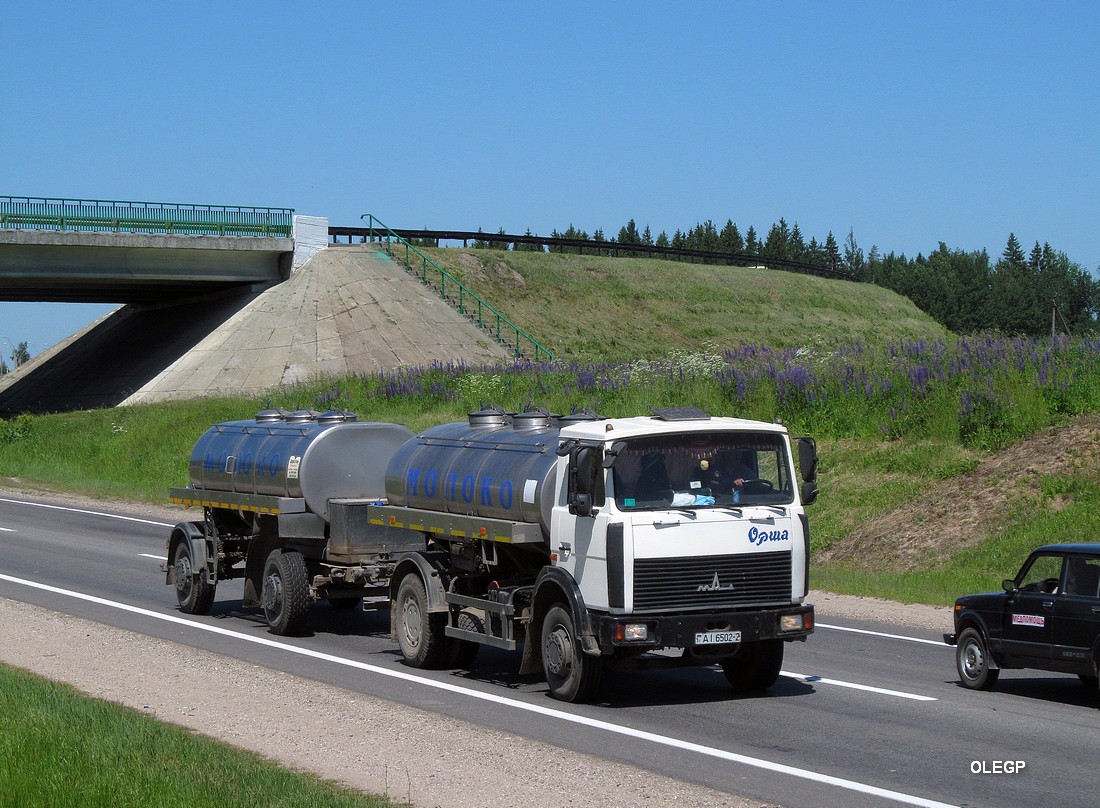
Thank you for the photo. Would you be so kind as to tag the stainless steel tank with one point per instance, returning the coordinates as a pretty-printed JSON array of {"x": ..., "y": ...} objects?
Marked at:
[
  {"x": 302, "y": 454},
  {"x": 495, "y": 465}
]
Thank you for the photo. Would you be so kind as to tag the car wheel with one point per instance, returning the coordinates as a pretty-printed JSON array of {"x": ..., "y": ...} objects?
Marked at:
[{"x": 974, "y": 662}]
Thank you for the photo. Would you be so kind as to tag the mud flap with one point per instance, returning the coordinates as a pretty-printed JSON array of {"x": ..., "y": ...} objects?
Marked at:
[{"x": 531, "y": 661}]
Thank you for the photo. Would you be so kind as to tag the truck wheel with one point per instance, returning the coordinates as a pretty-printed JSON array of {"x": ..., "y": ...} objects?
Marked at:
[
  {"x": 572, "y": 674},
  {"x": 972, "y": 660},
  {"x": 194, "y": 593},
  {"x": 421, "y": 634},
  {"x": 756, "y": 666},
  {"x": 285, "y": 594}
]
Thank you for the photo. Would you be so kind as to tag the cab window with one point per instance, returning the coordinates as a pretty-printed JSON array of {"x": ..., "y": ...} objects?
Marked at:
[
  {"x": 698, "y": 470},
  {"x": 1083, "y": 577},
  {"x": 1043, "y": 574}
]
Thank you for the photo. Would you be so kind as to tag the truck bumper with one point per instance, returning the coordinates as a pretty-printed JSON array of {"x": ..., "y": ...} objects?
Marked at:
[{"x": 679, "y": 630}]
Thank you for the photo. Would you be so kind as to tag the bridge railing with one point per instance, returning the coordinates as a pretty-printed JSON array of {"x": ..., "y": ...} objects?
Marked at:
[
  {"x": 454, "y": 292},
  {"x": 112, "y": 216}
]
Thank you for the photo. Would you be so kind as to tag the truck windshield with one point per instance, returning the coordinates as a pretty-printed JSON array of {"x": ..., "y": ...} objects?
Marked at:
[{"x": 701, "y": 470}]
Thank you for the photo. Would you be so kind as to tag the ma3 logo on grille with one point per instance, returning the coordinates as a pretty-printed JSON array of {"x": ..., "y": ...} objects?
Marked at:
[{"x": 715, "y": 586}]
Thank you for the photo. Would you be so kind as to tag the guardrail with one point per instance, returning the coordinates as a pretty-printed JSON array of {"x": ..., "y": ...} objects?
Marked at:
[
  {"x": 112, "y": 216},
  {"x": 454, "y": 292},
  {"x": 595, "y": 247}
]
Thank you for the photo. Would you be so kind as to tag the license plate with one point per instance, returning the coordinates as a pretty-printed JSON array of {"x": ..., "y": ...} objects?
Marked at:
[{"x": 717, "y": 637}]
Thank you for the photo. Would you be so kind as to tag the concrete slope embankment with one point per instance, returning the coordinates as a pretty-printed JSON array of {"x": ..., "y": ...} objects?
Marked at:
[{"x": 350, "y": 309}]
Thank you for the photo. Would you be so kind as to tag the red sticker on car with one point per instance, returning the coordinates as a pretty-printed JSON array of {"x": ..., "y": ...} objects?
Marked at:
[{"x": 1028, "y": 620}]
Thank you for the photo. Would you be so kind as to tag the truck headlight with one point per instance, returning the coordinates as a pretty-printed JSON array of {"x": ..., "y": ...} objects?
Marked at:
[
  {"x": 631, "y": 632},
  {"x": 790, "y": 622}
]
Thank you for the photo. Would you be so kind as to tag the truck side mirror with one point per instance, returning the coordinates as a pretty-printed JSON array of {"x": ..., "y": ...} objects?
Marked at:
[
  {"x": 807, "y": 458},
  {"x": 809, "y": 493}
]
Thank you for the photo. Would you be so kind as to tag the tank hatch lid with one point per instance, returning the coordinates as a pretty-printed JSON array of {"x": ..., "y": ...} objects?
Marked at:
[
  {"x": 680, "y": 414},
  {"x": 270, "y": 416},
  {"x": 336, "y": 417},
  {"x": 301, "y": 416},
  {"x": 579, "y": 416},
  {"x": 489, "y": 416},
  {"x": 537, "y": 418}
]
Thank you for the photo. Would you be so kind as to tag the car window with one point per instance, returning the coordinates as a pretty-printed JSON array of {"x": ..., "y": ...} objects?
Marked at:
[
  {"x": 1044, "y": 574},
  {"x": 1083, "y": 577}
]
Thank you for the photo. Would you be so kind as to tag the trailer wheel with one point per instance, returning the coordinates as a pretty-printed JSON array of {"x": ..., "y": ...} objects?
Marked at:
[
  {"x": 572, "y": 674},
  {"x": 756, "y": 665},
  {"x": 285, "y": 594},
  {"x": 421, "y": 634},
  {"x": 194, "y": 593},
  {"x": 973, "y": 662}
]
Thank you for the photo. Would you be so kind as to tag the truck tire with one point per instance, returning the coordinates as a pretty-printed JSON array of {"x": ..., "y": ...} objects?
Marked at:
[
  {"x": 194, "y": 593},
  {"x": 421, "y": 634},
  {"x": 756, "y": 665},
  {"x": 285, "y": 595},
  {"x": 573, "y": 675},
  {"x": 973, "y": 661}
]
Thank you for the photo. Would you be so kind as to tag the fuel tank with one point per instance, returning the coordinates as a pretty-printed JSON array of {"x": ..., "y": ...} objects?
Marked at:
[
  {"x": 495, "y": 465},
  {"x": 301, "y": 454}
]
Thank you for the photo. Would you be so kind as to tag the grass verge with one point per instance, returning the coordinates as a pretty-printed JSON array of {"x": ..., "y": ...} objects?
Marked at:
[{"x": 63, "y": 749}]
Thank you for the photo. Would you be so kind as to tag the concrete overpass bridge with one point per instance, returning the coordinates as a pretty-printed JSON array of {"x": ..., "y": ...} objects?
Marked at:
[{"x": 213, "y": 300}]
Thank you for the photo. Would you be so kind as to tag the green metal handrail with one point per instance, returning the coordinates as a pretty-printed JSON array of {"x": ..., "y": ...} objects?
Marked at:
[
  {"x": 486, "y": 316},
  {"x": 105, "y": 215}
]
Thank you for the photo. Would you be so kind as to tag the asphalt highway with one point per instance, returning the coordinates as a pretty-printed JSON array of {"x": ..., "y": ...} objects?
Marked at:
[{"x": 865, "y": 714}]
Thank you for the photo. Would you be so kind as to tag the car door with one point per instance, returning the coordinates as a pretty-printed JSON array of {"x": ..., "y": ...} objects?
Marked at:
[
  {"x": 1028, "y": 619},
  {"x": 1077, "y": 612}
]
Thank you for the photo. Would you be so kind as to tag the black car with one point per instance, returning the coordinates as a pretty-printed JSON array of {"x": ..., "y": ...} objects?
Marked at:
[{"x": 1047, "y": 617}]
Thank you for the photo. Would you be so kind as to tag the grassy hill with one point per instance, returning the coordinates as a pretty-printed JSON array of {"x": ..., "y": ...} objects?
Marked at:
[
  {"x": 592, "y": 308},
  {"x": 913, "y": 424}
]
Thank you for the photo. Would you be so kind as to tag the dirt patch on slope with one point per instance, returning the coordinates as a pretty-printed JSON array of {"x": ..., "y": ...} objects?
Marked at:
[
  {"x": 478, "y": 269},
  {"x": 966, "y": 510}
]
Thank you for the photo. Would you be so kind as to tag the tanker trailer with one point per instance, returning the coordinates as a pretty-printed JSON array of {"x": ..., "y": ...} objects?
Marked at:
[
  {"x": 676, "y": 539},
  {"x": 666, "y": 540},
  {"x": 283, "y": 499}
]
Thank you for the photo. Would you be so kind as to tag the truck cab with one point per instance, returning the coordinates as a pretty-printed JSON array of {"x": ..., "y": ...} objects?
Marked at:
[{"x": 684, "y": 534}]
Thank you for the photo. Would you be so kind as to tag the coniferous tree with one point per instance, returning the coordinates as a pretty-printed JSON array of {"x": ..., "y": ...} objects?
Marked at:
[
  {"x": 832, "y": 252},
  {"x": 777, "y": 244},
  {"x": 854, "y": 261},
  {"x": 480, "y": 243},
  {"x": 752, "y": 244},
  {"x": 526, "y": 247},
  {"x": 730, "y": 238},
  {"x": 1015, "y": 307},
  {"x": 796, "y": 245}
]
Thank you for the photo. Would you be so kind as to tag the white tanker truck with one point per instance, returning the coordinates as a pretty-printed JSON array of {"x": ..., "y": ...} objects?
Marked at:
[{"x": 676, "y": 539}]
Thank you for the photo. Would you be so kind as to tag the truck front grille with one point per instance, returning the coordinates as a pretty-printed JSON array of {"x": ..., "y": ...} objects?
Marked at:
[{"x": 708, "y": 582}]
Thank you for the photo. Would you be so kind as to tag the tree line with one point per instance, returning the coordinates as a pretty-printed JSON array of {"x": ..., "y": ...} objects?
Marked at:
[
  {"x": 1033, "y": 293},
  {"x": 20, "y": 354}
]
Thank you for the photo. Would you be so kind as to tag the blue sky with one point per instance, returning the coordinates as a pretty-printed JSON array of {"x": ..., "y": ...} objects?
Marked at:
[{"x": 907, "y": 123}]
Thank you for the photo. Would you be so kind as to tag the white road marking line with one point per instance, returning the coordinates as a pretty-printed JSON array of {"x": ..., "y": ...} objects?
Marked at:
[
  {"x": 81, "y": 510},
  {"x": 8, "y": 529},
  {"x": 812, "y": 679},
  {"x": 663, "y": 740},
  {"x": 939, "y": 643},
  {"x": 153, "y": 555}
]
